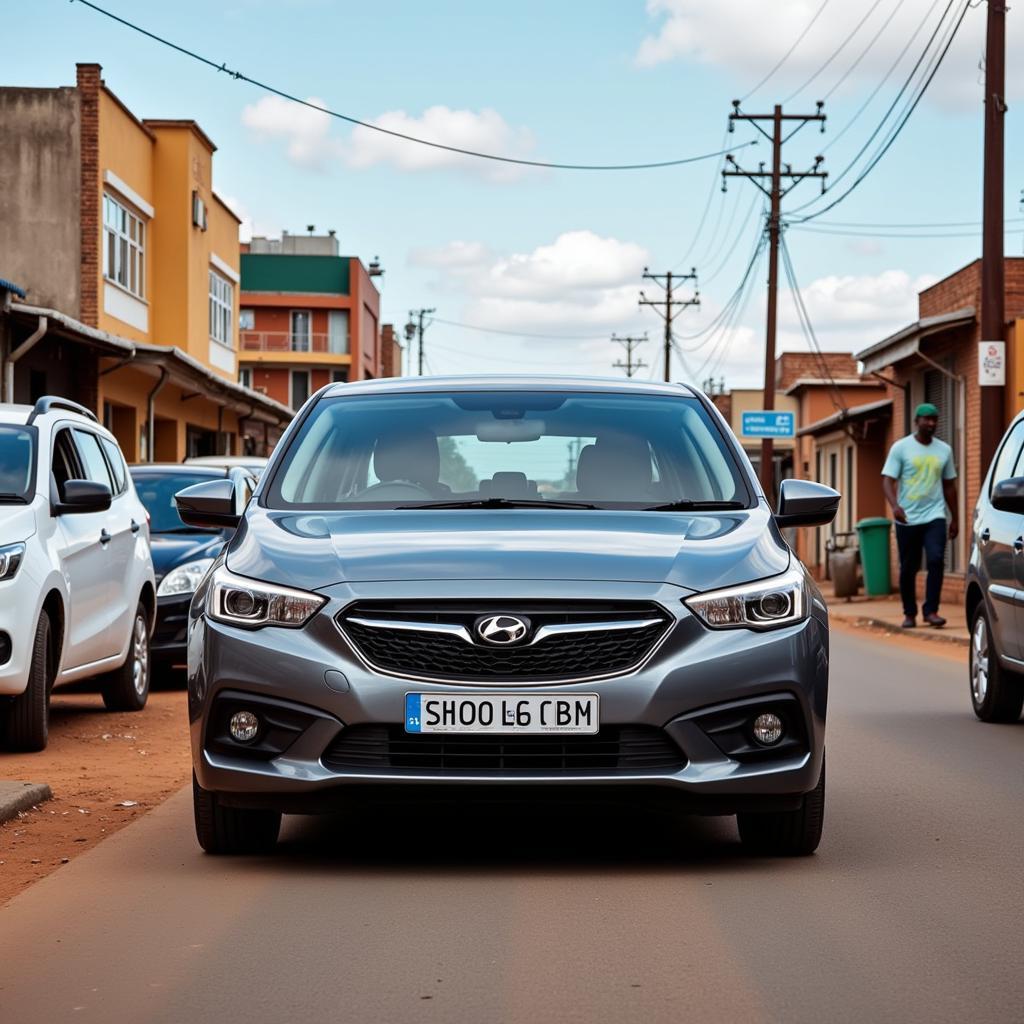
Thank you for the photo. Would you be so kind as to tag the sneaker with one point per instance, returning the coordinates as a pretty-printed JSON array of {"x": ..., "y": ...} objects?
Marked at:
[
  {"x": 934, "y": 620},
  {"x": 909, "y": 622}
]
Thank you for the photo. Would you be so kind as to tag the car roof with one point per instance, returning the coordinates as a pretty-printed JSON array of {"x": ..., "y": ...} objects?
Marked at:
[
  {"x": 226, "y": 460},
  {"x": 189, "y": 469},
  {"x": 19, "y": 414},
  {"x": 506, "y": 382}
]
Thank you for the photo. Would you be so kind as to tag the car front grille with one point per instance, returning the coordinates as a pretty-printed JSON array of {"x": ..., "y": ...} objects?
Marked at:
[
  {"x": 621, "y": 749},
  {"x": 578, "y": 641}
]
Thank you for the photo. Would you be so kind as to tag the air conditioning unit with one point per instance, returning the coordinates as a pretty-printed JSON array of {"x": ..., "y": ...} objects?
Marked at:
[{"x": 198, "y": 211}]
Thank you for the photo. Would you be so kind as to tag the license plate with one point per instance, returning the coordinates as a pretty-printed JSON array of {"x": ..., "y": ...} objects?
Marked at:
[{"x": 519, "y": 713}]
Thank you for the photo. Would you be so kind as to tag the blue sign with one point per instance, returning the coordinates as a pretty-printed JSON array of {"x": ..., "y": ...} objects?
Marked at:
[{"x": 768, "y": 424}]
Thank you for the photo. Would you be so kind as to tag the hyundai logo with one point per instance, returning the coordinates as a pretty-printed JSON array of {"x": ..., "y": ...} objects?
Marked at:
[{"x": 502, "y": 629}]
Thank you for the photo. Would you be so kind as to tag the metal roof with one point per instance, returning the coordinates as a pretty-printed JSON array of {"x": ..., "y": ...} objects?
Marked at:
[
  {"x": 856, "y": 412},
  {"x": 906, "y": 342}
]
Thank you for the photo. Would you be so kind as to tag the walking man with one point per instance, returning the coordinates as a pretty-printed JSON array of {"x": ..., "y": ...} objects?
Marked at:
[{"x": 919, "y": 482}]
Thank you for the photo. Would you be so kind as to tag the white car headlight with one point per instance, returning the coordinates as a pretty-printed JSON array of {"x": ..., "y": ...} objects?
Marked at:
[
  {"x": 184, "y": 579},
  {"x": 10, "y": 558},
  {"x": 239, "y": 601},
  {"x": 765, "y": 604}
]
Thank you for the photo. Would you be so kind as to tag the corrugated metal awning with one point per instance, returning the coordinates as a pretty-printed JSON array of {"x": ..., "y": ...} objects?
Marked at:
[{"x": 907, "y": 341}]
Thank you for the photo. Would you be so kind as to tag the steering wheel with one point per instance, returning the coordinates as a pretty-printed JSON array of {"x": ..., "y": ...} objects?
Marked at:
[{"x": 393, "y": 490}]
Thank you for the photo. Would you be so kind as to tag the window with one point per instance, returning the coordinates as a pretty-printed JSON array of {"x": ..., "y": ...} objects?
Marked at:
[
  {"x": 247, "y": 319},
  {"x": 245, "y": 377},
  {"x": 339, "y": 376},
  {"x": 124, "y": 247},
  {"x": 300, "y": 330},
  {"x": 337, "y": 331},
  {"x": 222, "y": 305},
  {"x": 1007, "y": 457},
  {"x": 300, "y": 387},
  {"x": 65, "y": 462},
  {"x": 92, "y": 458},
  {"x": 116, "y": 461}
]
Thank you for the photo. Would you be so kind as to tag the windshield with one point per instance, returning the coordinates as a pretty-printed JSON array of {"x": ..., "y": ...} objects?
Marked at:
[
  {"x": 17, "y": 447},
  {"x": 595, "y": 449},
  {"x": 157, "y": 490}
]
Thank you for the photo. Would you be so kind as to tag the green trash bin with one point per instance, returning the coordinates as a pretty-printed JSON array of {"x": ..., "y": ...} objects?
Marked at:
[{"x": 873, "y": 536}]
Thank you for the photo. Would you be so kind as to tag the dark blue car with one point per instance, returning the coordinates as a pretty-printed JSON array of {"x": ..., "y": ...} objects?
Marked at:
[{"x": 181, "y": 554}]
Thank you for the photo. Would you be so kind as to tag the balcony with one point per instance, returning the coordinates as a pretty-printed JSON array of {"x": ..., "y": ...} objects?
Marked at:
[{"x": 284, "y": 341}]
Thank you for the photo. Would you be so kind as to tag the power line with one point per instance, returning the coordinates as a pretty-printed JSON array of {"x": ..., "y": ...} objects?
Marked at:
[
  {"x": 813, "y": 229},
  {"x": 789, "y": 52},
  {"x": 835, "y": 53},
  {"x": 518, "y": 334},
  {"x": 895, "y": 131},
  {"x": 240, "y": 76},
  {"x": 629, "y": 344},
  {"x": 724, "y": 262},
  {"x": 867, "y": 49},
  {"x": 916, "y": 224}
]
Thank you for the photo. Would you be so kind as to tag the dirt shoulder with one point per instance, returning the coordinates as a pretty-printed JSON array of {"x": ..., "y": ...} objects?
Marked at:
[{"x": 105, "y": 770}]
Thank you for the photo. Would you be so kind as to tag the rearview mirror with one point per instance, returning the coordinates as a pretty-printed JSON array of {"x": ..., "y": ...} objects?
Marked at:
[
  {"x": 806, "y": 503},
  {"x": 81, "y": 496},
  {"x": 510, "y": 430},
  {"x": 1008, "y": 495},
  {"x": 210, "y": 504}
]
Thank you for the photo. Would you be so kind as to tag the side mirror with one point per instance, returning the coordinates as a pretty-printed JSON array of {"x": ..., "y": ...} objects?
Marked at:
[
  {"x": 210, "y": 504},
  {"x": 82, "y": 496},
  {"x": 806, "y": 503},
  {"x": 1008, "y": 495}
]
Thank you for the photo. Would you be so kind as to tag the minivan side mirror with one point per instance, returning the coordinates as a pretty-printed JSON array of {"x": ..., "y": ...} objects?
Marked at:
[
  {"x": 210, "y": 504},
  {"x": 806, "y": 503},
  {"x": 1008, "y": 495},
  {"x": 81, "y": 496}
]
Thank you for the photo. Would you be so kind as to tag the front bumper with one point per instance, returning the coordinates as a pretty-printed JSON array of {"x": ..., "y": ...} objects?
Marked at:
[
  {"x": 320, "y": 689},
  {"x": 169, "y": 643}
]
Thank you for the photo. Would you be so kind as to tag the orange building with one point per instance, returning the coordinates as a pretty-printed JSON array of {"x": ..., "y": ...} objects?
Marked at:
[
  {"x": 130, "y": 261},
  {"x": 309, "y": 316}
]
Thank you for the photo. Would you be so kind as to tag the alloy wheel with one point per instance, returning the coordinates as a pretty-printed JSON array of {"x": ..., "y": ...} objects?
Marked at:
[
  {"x": 979, "y": 661},
  {"x": 140, "y": 656}
]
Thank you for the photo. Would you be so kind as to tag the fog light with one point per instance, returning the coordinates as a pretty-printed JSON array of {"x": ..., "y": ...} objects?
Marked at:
[
  {"x": 244, "y": 725},
  {"x": 767, "y": 729}
]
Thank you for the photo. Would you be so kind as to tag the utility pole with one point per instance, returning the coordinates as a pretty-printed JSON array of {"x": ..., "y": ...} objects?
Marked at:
[
  {"x": 629, "y": 344},
  {"x": 992, "y": 284},
  {"x": 774, "y": 192},
  {"x": 414, "y": 328},
  {"x": 672, "y": 306}
]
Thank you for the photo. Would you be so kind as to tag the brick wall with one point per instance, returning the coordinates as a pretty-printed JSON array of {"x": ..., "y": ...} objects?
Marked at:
[
  {"x": 88, "y": 83},
  {"x": 964, "y": 289},
  {"x": 791, "y": 366}
]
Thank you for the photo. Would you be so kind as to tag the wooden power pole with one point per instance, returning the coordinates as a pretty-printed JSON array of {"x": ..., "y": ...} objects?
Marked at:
[
  {"x": 671, "y": 304},
  {"x": 774, "y": 191},
  {"x": 629, "y": 344},
  {"x": 992, "y": 285}
]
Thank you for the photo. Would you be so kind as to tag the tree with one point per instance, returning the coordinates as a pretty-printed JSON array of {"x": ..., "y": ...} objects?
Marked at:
[{"x": 455, "y": 471}]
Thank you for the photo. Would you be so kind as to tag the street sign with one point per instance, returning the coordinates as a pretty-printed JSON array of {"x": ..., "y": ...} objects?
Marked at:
[{"x": 774, "y": 423}]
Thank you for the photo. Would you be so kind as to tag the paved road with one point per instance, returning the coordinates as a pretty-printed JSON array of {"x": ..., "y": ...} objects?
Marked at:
[{"x": 913, "y": 909}]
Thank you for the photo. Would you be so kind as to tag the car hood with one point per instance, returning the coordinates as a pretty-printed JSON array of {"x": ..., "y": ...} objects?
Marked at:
[
  {"x": 173, "y": 549},
  {"x": 17, "y": 523},
  {"x": 698, "y": 551}
]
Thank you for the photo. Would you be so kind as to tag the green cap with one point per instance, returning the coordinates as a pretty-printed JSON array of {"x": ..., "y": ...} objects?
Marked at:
[{"x": 926, "y": 409}]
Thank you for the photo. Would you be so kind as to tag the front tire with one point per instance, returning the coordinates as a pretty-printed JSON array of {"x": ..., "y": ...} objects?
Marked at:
[
  {"x": 27, "y": 723},
  {"x": 127, "y": 688},
  {"x": 787, "y": 833},
  {"x": 226, "y": 830},
  {"x": 997, "y": 695}
]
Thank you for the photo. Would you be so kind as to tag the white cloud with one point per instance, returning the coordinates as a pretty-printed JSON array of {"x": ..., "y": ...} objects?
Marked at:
[
  {"x": 249, "y": 225},
  {"x": 748, "y": 37},
  {"x": 483, "y": 132},
  {"x": 306, "y": 132},
  {"x": 453, "y": 256}
]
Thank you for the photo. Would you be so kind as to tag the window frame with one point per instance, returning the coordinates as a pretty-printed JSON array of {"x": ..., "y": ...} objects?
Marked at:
[
  {"x": 308, "y": 313},
  {"x": 221, "y": 309},
  {"x": 291, "y": 387},
  {"x": 123, "y": 254}
]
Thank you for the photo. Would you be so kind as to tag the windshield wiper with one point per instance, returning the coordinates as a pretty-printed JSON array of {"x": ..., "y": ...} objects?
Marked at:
[
  {"x": 689, "y": 505},
  {"x": 19, "y": 498},
  {"x": 502, "y": 503}
]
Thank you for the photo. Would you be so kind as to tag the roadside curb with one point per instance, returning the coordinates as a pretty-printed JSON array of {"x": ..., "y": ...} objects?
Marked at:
[
  {"x": 932, "y": 635},
  {"x": 20, "y": 796}
]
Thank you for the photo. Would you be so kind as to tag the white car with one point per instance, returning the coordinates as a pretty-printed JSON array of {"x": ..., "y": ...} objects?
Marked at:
[
  {"x": 254, "y": 464},
  {"x": 77, "y": 593}
]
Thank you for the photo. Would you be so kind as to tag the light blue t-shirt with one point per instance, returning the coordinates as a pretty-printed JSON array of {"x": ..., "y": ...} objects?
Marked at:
[{"x": 920, "y": 470}]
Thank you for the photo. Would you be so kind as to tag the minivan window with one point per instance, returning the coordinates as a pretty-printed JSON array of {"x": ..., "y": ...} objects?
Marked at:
[
  {"x": 92, "y": 458},
  {"x": 17, "y": 460},
  {"x": 402, "y": 450},
  {"x": 1006, "y": 460},
  {"x": 116, "y": 462}
]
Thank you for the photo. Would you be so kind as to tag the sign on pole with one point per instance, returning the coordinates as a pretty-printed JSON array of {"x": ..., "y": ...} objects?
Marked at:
[
  {"x": 991, "y": 363},
  {"x": 774, "y": 423}
]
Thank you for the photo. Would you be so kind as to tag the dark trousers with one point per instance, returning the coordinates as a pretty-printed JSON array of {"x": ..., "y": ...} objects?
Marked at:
[{"x": 911, "y": 541}]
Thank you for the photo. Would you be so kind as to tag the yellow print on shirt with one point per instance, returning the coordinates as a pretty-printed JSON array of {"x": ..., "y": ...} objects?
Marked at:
[{"x": 925, "y": 475}]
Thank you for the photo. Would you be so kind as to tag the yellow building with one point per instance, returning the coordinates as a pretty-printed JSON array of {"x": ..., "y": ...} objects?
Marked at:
[{"x": 145, "y": 277}]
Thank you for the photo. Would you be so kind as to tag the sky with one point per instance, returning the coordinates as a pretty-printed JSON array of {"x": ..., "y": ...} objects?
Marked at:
[{"x": 533, "y": 270}]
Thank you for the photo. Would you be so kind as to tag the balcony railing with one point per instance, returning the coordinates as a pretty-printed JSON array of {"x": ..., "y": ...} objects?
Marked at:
[{"x": 284, "y": 341}]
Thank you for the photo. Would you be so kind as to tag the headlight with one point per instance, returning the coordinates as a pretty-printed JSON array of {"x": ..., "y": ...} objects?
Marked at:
[
  {"x": 10, "y": 558},
  {"x": 239, "y": 601},
  {"x": 184, "y": 579},
  {"x": 766, "y": 604}
]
